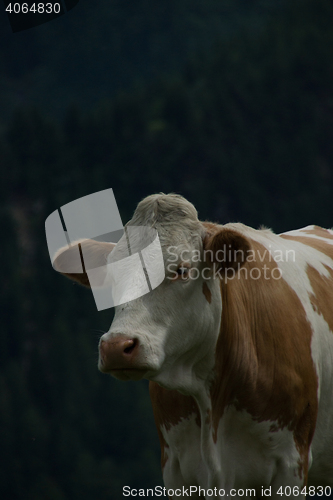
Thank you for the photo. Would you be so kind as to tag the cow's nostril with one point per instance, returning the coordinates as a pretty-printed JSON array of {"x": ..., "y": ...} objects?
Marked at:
[{"x": 131, "y": 346}]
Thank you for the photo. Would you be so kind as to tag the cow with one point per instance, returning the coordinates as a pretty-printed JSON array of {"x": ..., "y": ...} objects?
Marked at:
[{"x": 237, "y": 343}]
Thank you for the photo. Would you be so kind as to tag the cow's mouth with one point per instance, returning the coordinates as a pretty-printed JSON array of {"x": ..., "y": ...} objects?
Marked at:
[{"x": 126, "y": 373}]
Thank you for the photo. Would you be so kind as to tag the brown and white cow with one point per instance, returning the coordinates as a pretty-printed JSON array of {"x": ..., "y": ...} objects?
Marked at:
[{"x": 237, "y": 343}]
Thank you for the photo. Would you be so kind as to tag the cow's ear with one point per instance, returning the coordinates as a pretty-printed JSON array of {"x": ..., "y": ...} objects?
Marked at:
[
  {"x": 226, "y": 248},
  {"x": 72, "y": 261}
]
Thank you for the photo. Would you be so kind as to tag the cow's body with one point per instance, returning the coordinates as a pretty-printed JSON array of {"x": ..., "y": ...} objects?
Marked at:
[
  {"x": 240, "y": 361},
  {"x": 254, "y": 451}
]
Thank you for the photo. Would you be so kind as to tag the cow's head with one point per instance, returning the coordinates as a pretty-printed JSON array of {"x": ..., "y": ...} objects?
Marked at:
[{"x": 169, "y": 335}]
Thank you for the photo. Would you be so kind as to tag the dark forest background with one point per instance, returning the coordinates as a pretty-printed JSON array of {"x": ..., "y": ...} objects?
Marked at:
[{"x": 229, "y": 103}]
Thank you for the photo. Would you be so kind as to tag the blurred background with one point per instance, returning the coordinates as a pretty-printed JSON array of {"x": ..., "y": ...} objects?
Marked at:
[{"x": 227, "y": 102}]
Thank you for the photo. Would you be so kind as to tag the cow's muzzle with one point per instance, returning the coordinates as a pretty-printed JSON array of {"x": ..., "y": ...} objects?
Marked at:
[{"x": 119, "y": 357}]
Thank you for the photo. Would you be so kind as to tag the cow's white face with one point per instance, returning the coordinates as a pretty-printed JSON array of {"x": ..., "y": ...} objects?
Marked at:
[{"x": 168, "y": 335}]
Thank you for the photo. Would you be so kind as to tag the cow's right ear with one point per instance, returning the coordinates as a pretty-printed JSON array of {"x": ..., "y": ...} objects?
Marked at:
[
  {"x": 225, "y": 248},
  {"x": 72, "y": 261}
]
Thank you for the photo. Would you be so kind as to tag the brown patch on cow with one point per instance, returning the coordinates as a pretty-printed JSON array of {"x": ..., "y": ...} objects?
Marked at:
[
  {"x": 319, "y": 245},
  {"x": 322, "y": 297},
  {"x": 319, "y": 231},
  {"x": 170, "y": 407},
  {"x": 207, "y": 293},
  {"x": 263, "y": 354}
]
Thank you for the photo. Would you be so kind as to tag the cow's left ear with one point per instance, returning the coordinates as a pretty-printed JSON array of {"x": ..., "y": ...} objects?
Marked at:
[
  {"x": 72, "y": 261},
  {"x": 226, "y": 248}
]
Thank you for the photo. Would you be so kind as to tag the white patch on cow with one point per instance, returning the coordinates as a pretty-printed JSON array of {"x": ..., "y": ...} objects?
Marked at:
[
  {"x": 309, "y": 236},
  {"x": 250, "y": 450},
  {"x": 322, "y": 352},
  {"x": 247, "y": 449},
  {"x": 184, "y": 441}
]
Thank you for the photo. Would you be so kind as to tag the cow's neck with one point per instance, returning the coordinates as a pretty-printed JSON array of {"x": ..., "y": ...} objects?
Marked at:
[
  {"x": 192, "y": 374},
  {"x": 190, "y": 370}
]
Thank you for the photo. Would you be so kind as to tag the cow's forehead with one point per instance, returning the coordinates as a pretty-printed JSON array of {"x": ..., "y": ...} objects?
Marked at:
[
  {"x": 165, "y": 209},
  {"x": 134, "y": 240},
  {"x": 173, "y": 241},
  {"x": 171, "y": 217}
]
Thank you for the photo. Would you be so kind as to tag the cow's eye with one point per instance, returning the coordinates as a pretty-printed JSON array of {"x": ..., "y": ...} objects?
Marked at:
[{"x": 183, "y": 272}]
